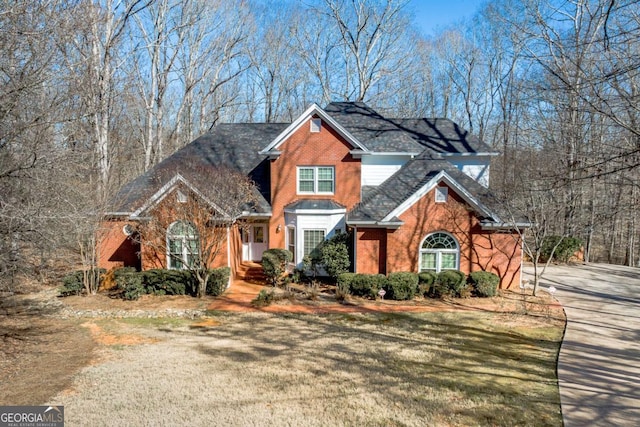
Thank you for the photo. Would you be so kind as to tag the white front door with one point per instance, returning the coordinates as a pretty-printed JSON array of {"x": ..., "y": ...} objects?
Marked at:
[{"x": 254, "y": 242}]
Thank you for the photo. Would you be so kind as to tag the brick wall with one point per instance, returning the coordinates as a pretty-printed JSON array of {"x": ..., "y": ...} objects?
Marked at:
[
  {"x": 115, "y": 249},
  {"x": 497, "y": 252},
  {"x": 304, "y": 148}
]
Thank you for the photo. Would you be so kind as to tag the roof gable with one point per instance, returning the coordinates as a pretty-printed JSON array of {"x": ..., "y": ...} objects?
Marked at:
[
  {"x": 173, "y": 184},
  {"x": 313, "y": 110},
  {"x": 441, "y": 177},
  {"x": 414, "y": 180},
  {"x": 232, "y": 146}
]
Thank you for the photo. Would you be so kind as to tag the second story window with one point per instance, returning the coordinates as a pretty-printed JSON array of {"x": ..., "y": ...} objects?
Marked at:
[{"x": 316, "y": 180}]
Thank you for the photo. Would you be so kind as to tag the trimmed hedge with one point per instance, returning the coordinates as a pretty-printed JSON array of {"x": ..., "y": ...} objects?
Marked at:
[
  {"x": 485, "y": 284},
  {"x": 132, "y": 285},
  {"x": 426, "y": 279},
  {"x": 274, "y": 264},
  {"x": 362, "y": 285},
  {"x": 401, "y": 286},
  {"x": 449, "y": 283},
  {"x": 169, "y": 282}
]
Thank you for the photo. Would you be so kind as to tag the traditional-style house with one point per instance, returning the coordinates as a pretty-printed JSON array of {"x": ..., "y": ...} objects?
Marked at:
[{"x": 413, "y": 193}]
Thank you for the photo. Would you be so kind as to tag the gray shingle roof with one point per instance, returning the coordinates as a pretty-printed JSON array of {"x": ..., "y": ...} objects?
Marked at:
[
  {"x": 236, "y": 146},
  {"x": 313, "y": 204},
  {"x": 371, "y": 129},
  {"x": 381, "y": 201},
  {"x": 442, "y": 136},
  {"x": 233, "y": 146}
]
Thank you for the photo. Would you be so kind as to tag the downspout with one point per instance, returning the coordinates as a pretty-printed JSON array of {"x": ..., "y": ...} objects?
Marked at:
[
  {"x": 355, "y": 249},
  {"x": 232, "y": 273},
  {"x": 520, "y": 285}
]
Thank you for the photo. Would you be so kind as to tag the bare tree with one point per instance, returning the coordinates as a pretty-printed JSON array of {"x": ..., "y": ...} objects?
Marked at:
[{"x": 193, "y": 231}]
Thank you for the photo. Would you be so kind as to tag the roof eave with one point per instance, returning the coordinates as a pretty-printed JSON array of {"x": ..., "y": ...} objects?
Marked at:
[
  {"x": 472, "y": 154},
  {"x": 376, "y": 224},
  {"x": 506, "y": 226}
]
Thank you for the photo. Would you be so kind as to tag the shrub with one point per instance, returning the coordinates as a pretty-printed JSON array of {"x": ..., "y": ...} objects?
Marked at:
[
  {"x": 426, "y": 279},
  {"x": 566, "y": 247},
  {"x": 449, "y": 283},
  {"x": 485, "y": 283},
  {"x": 274, "y": 264},
  {"x": 73, "y": 283},
  {"x": 263, "y": 299},
  {"x": 131, "y": 284},
  {"x": 334, "y": 255},
  {"x": 169, "y": 282},
  {"x": 218, "y": 281},
  {"x": 345, "y": 279},
  {"x": 367, "y": 285},
  {"x": 342, "y": 291},
  {"x": 401, "y": 285}
]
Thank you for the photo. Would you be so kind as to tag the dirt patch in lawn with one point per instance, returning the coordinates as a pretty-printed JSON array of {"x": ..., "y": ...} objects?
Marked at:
[
  {"x": 39, "y": 353},
  {"x": 100, "y": 336}
]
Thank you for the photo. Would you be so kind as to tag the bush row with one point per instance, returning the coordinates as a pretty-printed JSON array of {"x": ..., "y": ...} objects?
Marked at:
[
  {"x": 405, "y": 285},
  {"x": 131, "y": 284}
]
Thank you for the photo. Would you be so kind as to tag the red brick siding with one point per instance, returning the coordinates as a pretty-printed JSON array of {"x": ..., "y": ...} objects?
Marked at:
[
  {"x": 371, "y": 250},
  {"x": 153, "y": 252},
  {"x": 116, "y": 250},
  {"x": 304, "y": 148},
  {"x": 479, "y": 250}
]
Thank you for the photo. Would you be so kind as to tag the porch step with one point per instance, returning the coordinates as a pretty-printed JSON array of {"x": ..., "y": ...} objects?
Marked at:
[{"x": 251, "y": 272}]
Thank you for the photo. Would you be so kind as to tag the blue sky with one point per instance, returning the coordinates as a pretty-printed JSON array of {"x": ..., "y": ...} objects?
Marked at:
[{"x": 431, "y": 15}]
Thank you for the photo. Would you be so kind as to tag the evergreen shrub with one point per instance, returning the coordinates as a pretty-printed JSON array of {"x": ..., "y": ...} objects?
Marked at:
[
  {"x": 401, "y": 286},
  {"x": 426, "y": 279},
  {"x": 449, "y": 283},
  {"x": 274, "y": 264},
  {"x": 485, "y": 283}
]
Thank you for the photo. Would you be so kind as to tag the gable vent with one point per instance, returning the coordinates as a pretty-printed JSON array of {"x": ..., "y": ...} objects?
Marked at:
[{"x": 316, "y": 125}]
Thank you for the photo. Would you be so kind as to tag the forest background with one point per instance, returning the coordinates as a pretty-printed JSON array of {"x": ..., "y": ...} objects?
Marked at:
[{"x": 95, "y": 92}]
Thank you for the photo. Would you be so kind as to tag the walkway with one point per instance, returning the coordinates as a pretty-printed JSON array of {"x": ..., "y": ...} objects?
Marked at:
[{"x": 599, "y": 363}]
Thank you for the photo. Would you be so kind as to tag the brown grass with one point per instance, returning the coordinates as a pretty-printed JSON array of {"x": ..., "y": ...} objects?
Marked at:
[{"x": 437, "y": 368}]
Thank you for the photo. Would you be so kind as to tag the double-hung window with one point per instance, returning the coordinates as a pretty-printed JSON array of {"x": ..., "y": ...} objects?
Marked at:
[
  {"x": 316, "y": 180},
  {"x": 182, "y": 245},
  {"x": 312, "y": 239}
]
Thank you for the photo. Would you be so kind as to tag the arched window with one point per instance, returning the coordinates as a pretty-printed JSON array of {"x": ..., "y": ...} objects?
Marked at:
[
  {"x": 439, "y": 251},
  {"x": 182, "y": 245}
]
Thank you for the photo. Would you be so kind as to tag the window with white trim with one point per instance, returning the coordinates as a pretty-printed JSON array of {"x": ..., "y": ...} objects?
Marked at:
[
  {"x": 291, "y": 240},
  {"x": 316, "y": 179},
  {"x": 439, "y": 251},
  {"x": 441, "y": 194},
  {"x": 311, "y": 240},
  {"x": 183, "y": 245}
]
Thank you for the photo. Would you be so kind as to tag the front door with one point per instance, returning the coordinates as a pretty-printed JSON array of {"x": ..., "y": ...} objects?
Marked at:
[{"x": 254, "y": 242}]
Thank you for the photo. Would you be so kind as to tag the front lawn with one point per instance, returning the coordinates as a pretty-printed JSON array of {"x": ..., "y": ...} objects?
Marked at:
[{"x": 439, "y": 368}]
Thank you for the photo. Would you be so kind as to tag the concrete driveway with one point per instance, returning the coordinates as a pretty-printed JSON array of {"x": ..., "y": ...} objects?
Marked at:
[{"x": 599, "y": 363}]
